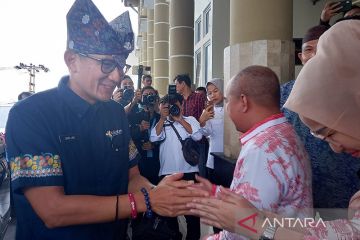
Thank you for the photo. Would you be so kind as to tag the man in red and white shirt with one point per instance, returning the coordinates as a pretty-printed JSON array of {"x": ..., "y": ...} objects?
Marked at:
[{"x": 273, "y": 170}]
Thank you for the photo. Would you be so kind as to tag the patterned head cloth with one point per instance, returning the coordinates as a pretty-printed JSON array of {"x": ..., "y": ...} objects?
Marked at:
[
  {"x": 90, "y": 33},
  {"x": 327, "y": 89}
]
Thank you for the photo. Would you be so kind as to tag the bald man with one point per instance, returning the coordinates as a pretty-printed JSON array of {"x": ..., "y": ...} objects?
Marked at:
[{"x": 272, "y": 170}]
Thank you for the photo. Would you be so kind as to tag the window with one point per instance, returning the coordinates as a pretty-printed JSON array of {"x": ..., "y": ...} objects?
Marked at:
[
  {"x": 198, "y": 30},
  {"x": 197, "y": 67},
  {"x": 207, "y": 58},
  {"x": 207, "y": 19}
]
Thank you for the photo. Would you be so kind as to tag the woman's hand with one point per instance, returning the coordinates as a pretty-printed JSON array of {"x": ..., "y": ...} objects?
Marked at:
[
  {"x": 202, "y": 184},
  {"x": 231, "y": 212},
  {"x": 207, "y": 113}
]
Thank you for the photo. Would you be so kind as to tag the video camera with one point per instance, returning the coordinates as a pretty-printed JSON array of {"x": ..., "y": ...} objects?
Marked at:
[{"x": 174, "y": 110}]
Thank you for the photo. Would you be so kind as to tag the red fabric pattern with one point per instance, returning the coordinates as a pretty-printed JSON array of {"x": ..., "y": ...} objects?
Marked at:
[{"x": 194, "y": 105}]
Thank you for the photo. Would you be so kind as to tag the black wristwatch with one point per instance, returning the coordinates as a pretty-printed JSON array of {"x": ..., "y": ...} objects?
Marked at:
[{"x": 269, "y": 233}]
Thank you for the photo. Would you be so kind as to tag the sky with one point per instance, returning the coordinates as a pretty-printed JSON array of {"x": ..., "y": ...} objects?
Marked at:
[{"x": 34, "y": 31}]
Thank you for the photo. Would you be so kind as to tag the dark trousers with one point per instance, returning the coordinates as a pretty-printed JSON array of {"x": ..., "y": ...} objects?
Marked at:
[
  {"x": 212, "y": 179},
  {"x": 192, "y": 222},
  {"x": 149, "y": 168},
  {"x": 204, "y": 148}
]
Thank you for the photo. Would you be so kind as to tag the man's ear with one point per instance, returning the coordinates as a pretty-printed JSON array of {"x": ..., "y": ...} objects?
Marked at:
[
  {"x": 244, "y": 101},
  {"x": 300, "y": 57},
  {"x": 70, "y": 60}
]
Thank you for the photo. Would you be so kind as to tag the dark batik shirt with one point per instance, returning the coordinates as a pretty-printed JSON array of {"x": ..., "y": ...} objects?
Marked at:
[
  {"x": 55, "y": 138},
  {"x": 335, "y": 176}
]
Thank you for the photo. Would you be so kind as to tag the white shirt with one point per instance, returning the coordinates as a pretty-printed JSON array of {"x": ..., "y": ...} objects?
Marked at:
[
  {"x": 214, "y": 130},
  {"x": 171, "y": 156},
  {"x": 272, "y": 171}
]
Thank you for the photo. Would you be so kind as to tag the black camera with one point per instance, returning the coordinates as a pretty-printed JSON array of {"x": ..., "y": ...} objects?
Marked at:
[
  {"x": 148, "y": 99},
  {"x": 174, "y": 110},
  {"x": 128, "y": 94},
  {"x": 144, "y": 116}
]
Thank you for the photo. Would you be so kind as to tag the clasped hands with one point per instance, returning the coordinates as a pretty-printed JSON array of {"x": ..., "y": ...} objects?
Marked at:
[{"x": 174, "y": 197}]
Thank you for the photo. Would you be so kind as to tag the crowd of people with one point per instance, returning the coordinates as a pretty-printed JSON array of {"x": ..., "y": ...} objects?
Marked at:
[{"x": 93, "y": 153}]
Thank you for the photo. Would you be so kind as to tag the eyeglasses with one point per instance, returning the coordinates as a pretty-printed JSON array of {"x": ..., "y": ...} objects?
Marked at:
[
  {"x": 320, "y": 133},
  {"x": 108, "y": 65}
]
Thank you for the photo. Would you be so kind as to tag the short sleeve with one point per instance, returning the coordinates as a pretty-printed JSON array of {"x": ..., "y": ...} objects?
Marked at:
[
  {"x": 257, "y": 181},
  {"x": 31, "y": 151}
]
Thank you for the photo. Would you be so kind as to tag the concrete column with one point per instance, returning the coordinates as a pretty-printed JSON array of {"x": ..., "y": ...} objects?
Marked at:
[
  {"x": 161, "y": 46},
  {"x": 150, "y": 39},
  {"x": 181, "y": 31},
  {"x": 262, "y": 19},
  {"x": 144, "y": 50},
  {"x": 143, "y": 32},
  {"x": 260, "y": 34}
]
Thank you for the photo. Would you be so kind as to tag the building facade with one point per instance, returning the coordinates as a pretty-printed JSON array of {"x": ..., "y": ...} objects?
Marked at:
[{"x": 218, "y": 38}]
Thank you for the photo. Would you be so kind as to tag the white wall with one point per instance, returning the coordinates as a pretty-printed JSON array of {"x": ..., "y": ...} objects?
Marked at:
[{"x": 200, "y": 5}]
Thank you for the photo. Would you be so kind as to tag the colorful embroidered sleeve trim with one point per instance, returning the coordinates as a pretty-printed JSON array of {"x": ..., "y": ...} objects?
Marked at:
[
  {"x": 133, "y": 152},
  {"x": 45, "y": 165}
]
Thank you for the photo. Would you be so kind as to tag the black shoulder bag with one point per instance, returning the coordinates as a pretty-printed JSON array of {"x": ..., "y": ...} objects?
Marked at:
[{"x": 190, "y": 148}]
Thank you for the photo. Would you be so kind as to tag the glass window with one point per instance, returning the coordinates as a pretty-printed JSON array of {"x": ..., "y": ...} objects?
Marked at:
[
  {"x": 197, "y": 67},
  {"x": 207, "y": 57},
  {"x": 198, "y": 30},
  {"x": 207, "y": 20}
]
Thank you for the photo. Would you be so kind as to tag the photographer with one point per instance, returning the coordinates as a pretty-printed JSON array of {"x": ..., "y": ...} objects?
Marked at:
[
  {"x": 171, "y": 157},
  {"x": 126, "y": 96},
  {"x": 141, "y": 124}
]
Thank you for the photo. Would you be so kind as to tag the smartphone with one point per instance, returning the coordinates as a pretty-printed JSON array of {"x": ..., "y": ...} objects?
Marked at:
[
  {"x": 346, "y": 5},
  {"x": 209, "y": 103}
]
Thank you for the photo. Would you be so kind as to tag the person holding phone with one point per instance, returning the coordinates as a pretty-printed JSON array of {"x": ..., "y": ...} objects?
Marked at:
[
  {"x": 331, "y": 9},
  {"x": 212, "y": 121}
]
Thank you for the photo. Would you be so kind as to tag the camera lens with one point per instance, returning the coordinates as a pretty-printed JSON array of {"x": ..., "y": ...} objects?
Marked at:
[
  {"x": 151, "y": 99},
  {"x": 174, "y": 110},
  {"x": 148, "y": 99}
]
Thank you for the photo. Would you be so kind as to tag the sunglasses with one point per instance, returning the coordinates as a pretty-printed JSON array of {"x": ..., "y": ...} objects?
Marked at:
[{"x": 108, "y": 65}]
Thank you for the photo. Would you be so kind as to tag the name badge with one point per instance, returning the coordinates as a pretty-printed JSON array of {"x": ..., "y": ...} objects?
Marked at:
[{"x": 67, "y": 138}]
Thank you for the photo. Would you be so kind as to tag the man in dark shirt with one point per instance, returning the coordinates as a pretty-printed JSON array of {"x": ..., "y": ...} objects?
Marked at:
[
  {"x": 334, "y": 175},
  {"x": 194, "y": 103},
  {"x": 73, "y": 166},
  {"x": 141, "y": 123}
]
